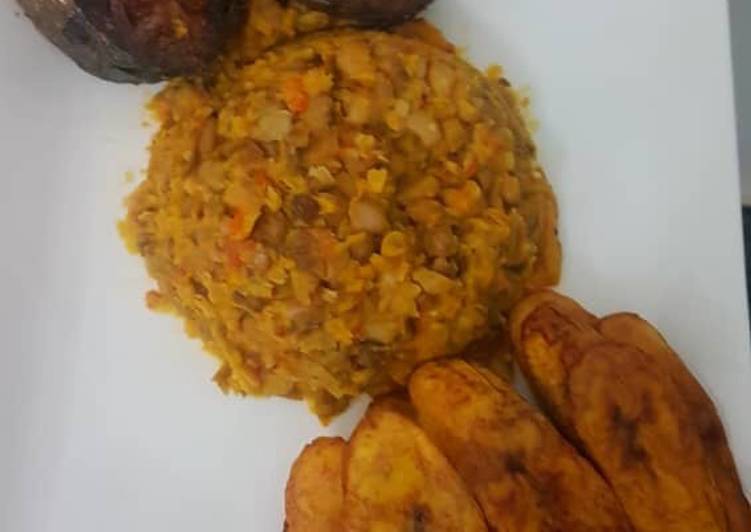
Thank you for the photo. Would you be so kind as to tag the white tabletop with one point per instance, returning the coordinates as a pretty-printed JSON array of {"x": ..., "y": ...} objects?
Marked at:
[{"x": 108, "y": 419}]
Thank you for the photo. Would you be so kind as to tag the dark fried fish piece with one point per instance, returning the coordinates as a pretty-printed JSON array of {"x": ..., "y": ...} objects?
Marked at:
[{"x": 137, "y": 40}]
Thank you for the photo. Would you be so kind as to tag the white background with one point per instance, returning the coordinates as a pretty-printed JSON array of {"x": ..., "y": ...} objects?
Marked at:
[{"x": 108, "y": 420}]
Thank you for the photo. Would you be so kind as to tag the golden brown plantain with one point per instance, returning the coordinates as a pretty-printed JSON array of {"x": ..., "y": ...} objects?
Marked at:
[
  {"x": 626, "y": 400},
  {"x": 536, "y": 322},
  {"x": 522, "y": 472},
  {"x": 531, "y": 306},
  {"x": 632, "y": 330},
  {"x": 396, "y": 479},
  {"x": 314, "y": 498}
]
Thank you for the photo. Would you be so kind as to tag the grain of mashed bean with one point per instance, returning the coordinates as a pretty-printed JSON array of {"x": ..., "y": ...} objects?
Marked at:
[{"x": 347, "y": 206}]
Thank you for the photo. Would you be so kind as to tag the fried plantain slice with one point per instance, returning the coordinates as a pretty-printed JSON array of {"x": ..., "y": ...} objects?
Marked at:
[
  {"x": 630, "y": 329},
  {"x": 635, "y": 412},
  {"x": 396, "y": 479},
  {"x": 522, "y": 472},
  {"x": 314, "y": 497},
  {"x": 549, "y": 332},
  {"x": 531, "y": 306}
]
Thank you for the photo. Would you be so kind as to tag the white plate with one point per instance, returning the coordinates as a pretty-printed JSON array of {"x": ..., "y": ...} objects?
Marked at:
[{"x": 108, "y": 420}]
